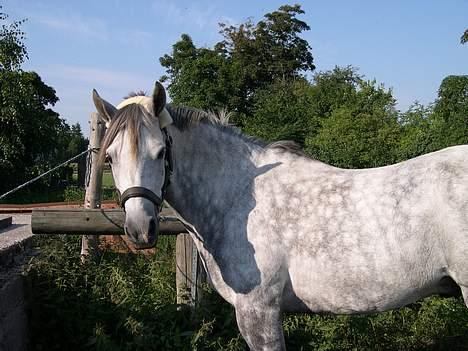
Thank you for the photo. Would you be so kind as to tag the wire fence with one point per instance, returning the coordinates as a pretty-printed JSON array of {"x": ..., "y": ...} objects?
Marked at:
[{"x": 46, "y": 173}]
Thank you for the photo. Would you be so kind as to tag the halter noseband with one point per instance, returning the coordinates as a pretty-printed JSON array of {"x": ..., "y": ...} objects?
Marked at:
[{"x": 139, "y": 191}]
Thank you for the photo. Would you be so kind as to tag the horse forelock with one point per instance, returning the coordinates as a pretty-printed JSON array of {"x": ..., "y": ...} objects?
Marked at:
[
  {"x": 129, "y": 118},
  {"x": 135, "y": 93}
]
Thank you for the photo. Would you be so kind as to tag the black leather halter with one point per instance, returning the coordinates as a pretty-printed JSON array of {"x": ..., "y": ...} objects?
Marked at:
[{"x": 139, "y": 191}]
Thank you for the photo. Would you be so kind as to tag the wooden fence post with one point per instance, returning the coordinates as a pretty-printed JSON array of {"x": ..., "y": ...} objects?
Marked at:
[
  {"x": 190, "y": 274},
  {"x": 93, "y": 179}
]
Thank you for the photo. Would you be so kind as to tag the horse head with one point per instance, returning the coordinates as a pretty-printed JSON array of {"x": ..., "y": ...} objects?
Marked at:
[{"x": 137, "y": 147}]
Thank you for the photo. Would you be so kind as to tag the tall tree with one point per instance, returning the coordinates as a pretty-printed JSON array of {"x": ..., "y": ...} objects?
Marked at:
[
  {"x": 12, "y": 48},
  {"x": 416, "y": 137},
  {"x": 281, "y": 111},
  {"x": 249, "y": 57},
  {"x": 361, "y": 132},
  {"x": 269, "y": 50},
  {"x": 449, "y": 122},
  {"x": 29, "y": 129},
  {"x": 198, "y": 77}
]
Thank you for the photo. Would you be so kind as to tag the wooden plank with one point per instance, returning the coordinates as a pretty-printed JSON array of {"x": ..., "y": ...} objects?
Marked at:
[{"x": 93, "y": 222}]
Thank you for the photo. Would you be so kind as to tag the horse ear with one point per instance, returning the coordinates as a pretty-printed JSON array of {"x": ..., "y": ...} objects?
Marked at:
[
  {"x": 104, "y": 108},
  {"x": 159, "y": 98}
]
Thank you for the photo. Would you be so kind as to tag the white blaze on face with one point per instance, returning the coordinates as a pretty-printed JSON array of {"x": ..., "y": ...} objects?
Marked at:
[{"x": 143, "y": 169}]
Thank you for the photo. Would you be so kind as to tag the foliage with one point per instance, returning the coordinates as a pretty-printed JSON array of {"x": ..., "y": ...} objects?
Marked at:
[
  {"x": 251, "y": 56},
  {"x": 29, "y": 131},
  {"x": 342, "y": 119},
  {"x": 416, "y": 133},
  {"x": 127, "y": 302},
  {"x": 76, "y": 193},
  {"x": 269, "y": 50},
  {"x": 118, "y": 302},
  {"x": 450, "y": 115},
  {"x": 72, "y": 141},
  {"x": 32, "y": 136},
  {"x": 361, "y": 133},
  {"x": 281, "y": 111},
  {"x": 464, "y": 37},
  {"x": 12, "y": 49},
  {"x": 199, "y": 77}
]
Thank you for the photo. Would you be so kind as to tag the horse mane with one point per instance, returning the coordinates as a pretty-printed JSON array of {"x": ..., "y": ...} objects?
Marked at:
[
  {"x": 184, "y": 117},
  {"x": 132, "y": 116},
  {"x": 288, "y": 146}
]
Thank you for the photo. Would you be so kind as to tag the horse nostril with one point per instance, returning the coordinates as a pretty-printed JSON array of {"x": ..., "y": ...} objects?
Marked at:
[{"x": 152, "y": 229}]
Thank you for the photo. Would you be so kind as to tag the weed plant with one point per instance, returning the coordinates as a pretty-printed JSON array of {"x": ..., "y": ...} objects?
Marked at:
[{"x": 128, "y": 302}]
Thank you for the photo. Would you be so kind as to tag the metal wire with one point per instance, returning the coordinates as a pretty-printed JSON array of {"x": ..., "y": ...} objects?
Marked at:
[{"x": 45, "y": 173}]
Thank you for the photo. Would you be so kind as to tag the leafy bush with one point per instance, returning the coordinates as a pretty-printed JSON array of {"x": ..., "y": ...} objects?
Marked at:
[
  {"x": 128, "y": 302},
  {"x": 119, "y": 302},
  {"x": 76, "y": 193}
]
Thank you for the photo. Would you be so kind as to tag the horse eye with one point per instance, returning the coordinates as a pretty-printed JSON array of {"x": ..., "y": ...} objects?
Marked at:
[{"x": 108, "y": 159}]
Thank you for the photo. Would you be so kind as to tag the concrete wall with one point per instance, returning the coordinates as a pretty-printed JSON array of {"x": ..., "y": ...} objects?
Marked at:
[{"x": 15, "y": 250}]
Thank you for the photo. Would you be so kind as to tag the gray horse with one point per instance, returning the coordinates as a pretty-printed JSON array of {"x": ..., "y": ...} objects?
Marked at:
[{"x": 278, "y": 231}]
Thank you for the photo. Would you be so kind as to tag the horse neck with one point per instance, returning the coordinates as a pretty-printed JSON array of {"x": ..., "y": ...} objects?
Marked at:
[{"x": 211, "y": 168}]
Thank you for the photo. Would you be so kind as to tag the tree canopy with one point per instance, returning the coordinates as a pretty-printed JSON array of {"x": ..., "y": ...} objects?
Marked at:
[
  {"x": 250, "y": 56},
  {"x": 32, "y": 135}
]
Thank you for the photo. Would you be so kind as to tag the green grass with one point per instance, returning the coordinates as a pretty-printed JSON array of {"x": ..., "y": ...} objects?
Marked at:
[
  {"x": 107, "y": 180},
  {"x": 127, "y": 302},
  {"x": 27, "y": 196}
]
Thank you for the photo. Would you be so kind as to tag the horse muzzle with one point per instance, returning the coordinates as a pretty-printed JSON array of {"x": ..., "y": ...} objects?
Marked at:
[
  {"x": 142, "y": 231},
  {"x": 141, "y": 222}
]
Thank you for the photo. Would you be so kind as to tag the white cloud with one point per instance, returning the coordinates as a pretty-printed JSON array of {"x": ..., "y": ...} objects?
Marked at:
[
  {"x": 97, "y": 77},
  {"x": 201, "y": 17},
  {"x": 93, "y": 28},
  {"x": 87, "y": 27}
]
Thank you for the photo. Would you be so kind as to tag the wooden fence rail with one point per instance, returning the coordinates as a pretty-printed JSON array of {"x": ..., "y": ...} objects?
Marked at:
[{"x": 93, "y": 222}]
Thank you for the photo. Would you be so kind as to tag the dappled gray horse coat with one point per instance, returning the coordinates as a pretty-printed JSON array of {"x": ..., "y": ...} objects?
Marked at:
[{"x": 278, "y": 231}]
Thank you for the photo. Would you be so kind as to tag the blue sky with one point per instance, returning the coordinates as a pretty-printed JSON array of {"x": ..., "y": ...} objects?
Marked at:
[{"x": 114, "y": 45}]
